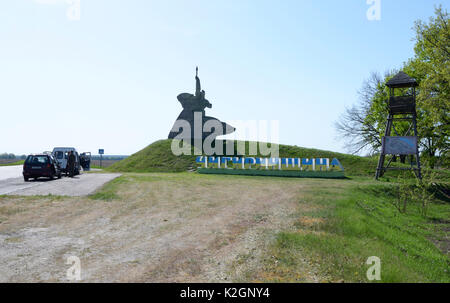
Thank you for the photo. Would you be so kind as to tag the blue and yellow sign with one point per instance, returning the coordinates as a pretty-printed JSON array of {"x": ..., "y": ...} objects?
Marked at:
[{"x": 283, "y": 167}]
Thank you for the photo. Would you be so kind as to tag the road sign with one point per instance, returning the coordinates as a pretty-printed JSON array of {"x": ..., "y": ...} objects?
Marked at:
[{"x": 101, "y": 151}]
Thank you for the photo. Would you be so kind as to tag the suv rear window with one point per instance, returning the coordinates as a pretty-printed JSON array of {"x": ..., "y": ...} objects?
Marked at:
[
  {"x": 59, "y": 154},
  {"x": 37, "y": 160}
]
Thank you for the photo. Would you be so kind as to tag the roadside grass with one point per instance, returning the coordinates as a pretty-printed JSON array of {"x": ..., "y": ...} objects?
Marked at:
[
  {"x": 19, "y": 162},
  {"x": 109, "y": 191},
  {"x": 114, "y": 189},
  {"x": 97, "y": 166},
  {"x": 341, "y": 224},
  {"x": 358, "y": 220},
  {"x": 12, "y": 205}
]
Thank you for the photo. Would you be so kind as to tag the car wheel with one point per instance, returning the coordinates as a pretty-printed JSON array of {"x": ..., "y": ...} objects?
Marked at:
[
  {"x": 59, "y": 176},
  {"x": 25, "y": 179}
]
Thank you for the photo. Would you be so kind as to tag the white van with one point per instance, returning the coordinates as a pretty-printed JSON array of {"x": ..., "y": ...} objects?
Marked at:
[{"x": 61, "y": 155}]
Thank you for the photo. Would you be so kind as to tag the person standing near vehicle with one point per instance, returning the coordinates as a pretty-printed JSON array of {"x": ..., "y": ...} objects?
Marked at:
[{"x": 71, "y": 164}]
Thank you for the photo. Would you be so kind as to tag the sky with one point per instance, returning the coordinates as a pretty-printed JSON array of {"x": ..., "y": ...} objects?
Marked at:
[{"x": 106, "y": 74}]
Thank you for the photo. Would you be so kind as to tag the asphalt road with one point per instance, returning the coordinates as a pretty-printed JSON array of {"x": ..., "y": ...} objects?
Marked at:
[
  {"x": 12, "y": 183},
  {"x": 7, "y": 172}
]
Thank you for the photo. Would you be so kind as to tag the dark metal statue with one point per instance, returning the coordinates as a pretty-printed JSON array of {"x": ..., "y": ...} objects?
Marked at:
[{"x": 194, "y": 106}]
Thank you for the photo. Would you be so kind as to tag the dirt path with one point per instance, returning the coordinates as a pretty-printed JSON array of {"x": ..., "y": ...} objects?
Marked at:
[{"x": 159, "y": 228}]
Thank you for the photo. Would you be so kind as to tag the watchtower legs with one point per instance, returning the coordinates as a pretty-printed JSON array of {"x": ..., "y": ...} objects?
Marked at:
[
  {"x": 389, "y": 125},
  {"x": 387, "y": 132}
]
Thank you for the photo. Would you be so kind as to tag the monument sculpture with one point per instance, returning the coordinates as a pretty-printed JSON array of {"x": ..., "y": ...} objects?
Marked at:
[{"x": 194, "y": 114}]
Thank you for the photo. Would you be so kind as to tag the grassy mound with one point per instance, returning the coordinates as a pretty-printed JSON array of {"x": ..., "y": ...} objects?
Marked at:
[{"x": 158, "y": 157}]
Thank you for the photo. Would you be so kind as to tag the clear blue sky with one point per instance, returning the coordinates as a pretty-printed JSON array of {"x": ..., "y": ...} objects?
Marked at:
[{"x": 110, "y": 80}]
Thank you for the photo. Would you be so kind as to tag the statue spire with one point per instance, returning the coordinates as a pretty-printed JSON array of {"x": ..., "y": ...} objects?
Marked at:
[{"x": 198, "y": 86}]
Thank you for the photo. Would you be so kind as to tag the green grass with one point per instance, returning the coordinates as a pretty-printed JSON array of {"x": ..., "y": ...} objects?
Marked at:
[
  {"x": 359, "y": 221},
  {"x": 109, "y": 191},
  {"x": 19, "y": 162},
  {"x": 158, "y": 157},
  {"x": 105, "y": 196}
]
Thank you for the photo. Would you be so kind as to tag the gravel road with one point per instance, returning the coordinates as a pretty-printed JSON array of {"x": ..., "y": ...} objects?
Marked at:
[
  {"x": 155, "y": 228},
  {"x": 12, "y": 183}
]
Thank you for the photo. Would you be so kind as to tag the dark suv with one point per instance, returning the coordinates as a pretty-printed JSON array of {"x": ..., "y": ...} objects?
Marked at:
[{"x": 41, "y": 165}]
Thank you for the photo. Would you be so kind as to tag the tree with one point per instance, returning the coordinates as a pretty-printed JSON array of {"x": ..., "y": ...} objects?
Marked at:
[
  {"x": 432, "y": 65},
  {"x": 358, "y": 125},
  {"x": 363, "y": 125}
]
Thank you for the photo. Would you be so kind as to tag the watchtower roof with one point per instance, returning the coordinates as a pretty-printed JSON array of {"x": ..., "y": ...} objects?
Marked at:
[{"x": 402, "y": 80}]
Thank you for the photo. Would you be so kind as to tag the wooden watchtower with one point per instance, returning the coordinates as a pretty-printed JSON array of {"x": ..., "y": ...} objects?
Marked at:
[{"x": 400, "y": 108}]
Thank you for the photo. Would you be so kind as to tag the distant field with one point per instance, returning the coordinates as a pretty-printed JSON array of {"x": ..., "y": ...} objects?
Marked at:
[
  {"x": 7, "y": 162},
  {"x": 105, "y": 163}
]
